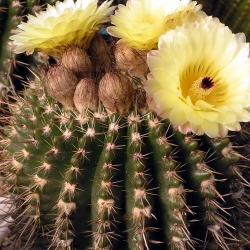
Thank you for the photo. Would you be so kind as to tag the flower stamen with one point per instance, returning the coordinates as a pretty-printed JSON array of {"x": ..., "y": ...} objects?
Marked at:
[{"x": 202, "y": 87}]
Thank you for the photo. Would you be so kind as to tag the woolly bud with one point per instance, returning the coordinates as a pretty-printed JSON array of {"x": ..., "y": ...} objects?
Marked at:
[
  {"x": 61, "y": 84},
  {"x": 100, "y": 53},
  {"x": 86, "y": 95},
  {"x": 116, "y": 92},
  {"x": 77, "y": 60},
  {"x": 151, "y": 103},
  {"x": 131, "y": 61}
]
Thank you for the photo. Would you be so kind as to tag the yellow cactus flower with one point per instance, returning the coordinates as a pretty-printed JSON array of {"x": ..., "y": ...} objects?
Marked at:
[
  {"x": 140, "y": 23},
  {"x": 200, "y": 78},
  {"x": 66, "y": 23}
]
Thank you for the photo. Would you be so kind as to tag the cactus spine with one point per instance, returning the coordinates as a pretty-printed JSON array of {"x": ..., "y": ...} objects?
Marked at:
[{"x": 80, "y": 182}]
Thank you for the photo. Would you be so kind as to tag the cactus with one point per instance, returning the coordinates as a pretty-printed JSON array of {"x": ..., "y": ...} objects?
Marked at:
[
  {"x": 100, "y": 182},
  {"x": 90, "y": 163},
  {"x": 233, "y": 13}
]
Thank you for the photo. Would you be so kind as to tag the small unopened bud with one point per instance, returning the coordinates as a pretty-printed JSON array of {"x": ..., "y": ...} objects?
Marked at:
[
  {"x": 61, "y": 84},
  {"x": 86, "y": 95},
  {"x": 131, "y": 61},
  {"x": 116, "y": 92},
  {"x": 151, "y": 105},
  {"x": 77, "y": 60},
  {"x": 100, "y": 54}
]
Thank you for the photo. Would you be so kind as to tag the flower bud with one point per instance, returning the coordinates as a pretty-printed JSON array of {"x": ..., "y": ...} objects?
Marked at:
[
  {"x": 86, "y": 95},
  {"x": 116, "y": 92},
  {"x": 131, "y": 61},
  {"x": 151, "y": 105},
  {"x": 77, "y": 60},
  {"x": 61, "y": 84},
  {"x": 100, "y": 54}
]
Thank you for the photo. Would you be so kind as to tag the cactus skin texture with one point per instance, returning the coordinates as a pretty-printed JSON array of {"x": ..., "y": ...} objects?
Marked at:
[
  {"x": 99, "y": 181},
  {"x": 102, "y": 180}
]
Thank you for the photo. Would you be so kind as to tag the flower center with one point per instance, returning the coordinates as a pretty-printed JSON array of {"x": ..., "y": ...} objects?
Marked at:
[{"x": 202, "y": 87}]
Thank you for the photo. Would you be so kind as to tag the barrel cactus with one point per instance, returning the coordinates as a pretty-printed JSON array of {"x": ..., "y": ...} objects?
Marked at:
[{"x": 132, "y": 140}]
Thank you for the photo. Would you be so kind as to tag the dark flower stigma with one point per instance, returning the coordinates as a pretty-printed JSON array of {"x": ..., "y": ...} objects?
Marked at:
[{"x": 207, "y": 82}]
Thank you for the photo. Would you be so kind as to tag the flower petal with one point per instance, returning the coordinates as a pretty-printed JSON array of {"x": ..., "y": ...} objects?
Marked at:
[
  {"x": 147, "y": 20},
  {"x": 204, "y": 73},
  {"x": 66, "y": 23}
]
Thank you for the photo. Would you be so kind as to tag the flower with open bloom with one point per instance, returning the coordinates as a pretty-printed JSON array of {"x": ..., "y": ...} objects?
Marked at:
[
  {"x": 140, "y": 23},
  {"x": 200, "y": 78},
  {"x": 66, "y": 23}
]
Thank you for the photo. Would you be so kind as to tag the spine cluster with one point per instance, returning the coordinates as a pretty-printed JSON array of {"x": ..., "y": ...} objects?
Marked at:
[{"x": 99, "y": 181}]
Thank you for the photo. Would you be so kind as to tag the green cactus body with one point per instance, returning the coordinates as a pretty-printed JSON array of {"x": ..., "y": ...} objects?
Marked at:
[
  {"x": 14, "y": 10},
  {"x": 232, "y": 13},
  {"x": 140, "y": 200},
  {"x": 106, "y": 201},
  {"x": 83, "y": 182}
]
